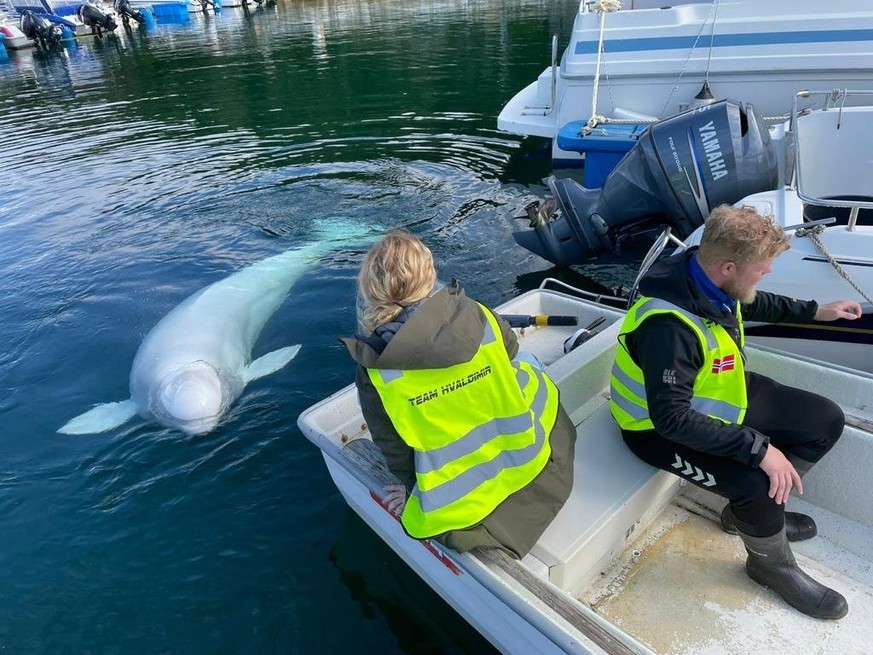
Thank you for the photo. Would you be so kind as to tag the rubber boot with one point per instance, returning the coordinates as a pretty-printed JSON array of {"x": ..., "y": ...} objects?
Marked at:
[
  {"x": 771, "y": 564},
  {"x": 798, "y": 527}
]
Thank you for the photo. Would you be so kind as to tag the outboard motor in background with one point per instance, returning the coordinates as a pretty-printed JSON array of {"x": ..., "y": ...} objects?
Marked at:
[
  {"x": 40, "y": 29},
  {"x": 126, "y": 11},
  {"x": 96, "y": 19},
  {"x": 677, "y": 172}
]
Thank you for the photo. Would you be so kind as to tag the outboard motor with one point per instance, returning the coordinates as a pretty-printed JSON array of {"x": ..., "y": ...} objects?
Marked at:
[
  {"x": 40, "y": 29},
  {"x": 679, "y": 170},
  {"x": 96, "y": 19},
  {"x": 126, "y": 11}
]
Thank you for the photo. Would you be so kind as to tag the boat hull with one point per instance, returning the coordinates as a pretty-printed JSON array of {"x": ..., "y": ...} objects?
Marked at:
[
  {"x": 445, "y": 574},
  {"x": 13, "y": 38},
  {"x": 762, "y": 54}
]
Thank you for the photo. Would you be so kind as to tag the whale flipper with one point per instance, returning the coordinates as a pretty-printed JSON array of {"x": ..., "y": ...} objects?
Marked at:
[
  {"x": 100, "y": 418},
  {"x": 269, "y": 363}
]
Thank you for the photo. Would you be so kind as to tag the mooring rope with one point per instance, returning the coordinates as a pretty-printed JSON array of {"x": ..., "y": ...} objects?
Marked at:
[
  {"x": 813, "y": 234},
  {"x": 675, "y": 88},
  {"x": 604, "y": 7}
]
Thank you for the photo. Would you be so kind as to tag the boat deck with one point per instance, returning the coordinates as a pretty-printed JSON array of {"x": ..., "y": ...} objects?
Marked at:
[{"x": 680, "y": 587}]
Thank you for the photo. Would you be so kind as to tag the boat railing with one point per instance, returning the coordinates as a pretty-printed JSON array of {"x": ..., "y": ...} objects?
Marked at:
[
  {"x": 545, "y": 110},
  {"x": 601, "y": 298},
  {"x": 652, "y": 256},
  {"x": 834, "y": 100}
]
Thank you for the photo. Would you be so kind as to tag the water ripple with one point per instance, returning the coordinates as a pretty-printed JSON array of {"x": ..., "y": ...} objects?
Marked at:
[{"x": 139, "y": 168}]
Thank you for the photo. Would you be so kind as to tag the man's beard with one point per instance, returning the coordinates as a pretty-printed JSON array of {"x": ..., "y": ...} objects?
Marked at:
[{"x": 744, "y": 295}]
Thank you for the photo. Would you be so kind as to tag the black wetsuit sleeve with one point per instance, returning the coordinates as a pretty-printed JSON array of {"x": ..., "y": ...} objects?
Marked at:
[
  {"x": 669, "y": 354},
  {"x": 773, "y": 308},
  {"x": 398, "y": 455}
]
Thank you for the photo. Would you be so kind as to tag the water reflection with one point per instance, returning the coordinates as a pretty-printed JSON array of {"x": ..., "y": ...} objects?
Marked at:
[
  {"x": 381, "y": 585},
  {"x": 144, "y": 166}
]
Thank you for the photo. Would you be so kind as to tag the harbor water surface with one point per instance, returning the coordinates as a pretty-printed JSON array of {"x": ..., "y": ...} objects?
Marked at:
[{"x": 140, "y": 167}]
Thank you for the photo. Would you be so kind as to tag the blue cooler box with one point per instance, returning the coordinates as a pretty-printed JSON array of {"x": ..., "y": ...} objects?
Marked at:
[{"x": 603, "y": 147}]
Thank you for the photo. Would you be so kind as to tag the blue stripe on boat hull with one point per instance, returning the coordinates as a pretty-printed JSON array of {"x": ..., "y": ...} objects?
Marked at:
[{"x": 725, "y": 41}]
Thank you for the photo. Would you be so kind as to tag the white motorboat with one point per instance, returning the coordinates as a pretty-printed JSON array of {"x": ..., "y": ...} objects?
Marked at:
[
  {"x": 635, "y": 562},
  {"x": 12, "y": 37},
  {"x": 649, "y": 60}
]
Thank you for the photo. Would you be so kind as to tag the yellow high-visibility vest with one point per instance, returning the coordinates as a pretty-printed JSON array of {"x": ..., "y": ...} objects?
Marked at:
[
  {"x": 479, "y": 430},
  {"x": 720, "y": 385}
]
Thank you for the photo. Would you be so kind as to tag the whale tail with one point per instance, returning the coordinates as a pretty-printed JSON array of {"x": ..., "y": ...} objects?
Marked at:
[{"x": 100, "y": 419}]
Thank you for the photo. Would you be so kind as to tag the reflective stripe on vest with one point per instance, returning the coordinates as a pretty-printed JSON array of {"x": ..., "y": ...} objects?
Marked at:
[
  {"x": 479, "y": 431},
  {"x": 719, "y": 388}
]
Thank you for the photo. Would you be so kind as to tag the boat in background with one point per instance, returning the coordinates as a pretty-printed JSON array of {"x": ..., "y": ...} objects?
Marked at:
[
  {"x": 12, "y": 37},
  {"x": 648, "y": 61},
  {"x": 63, "y": 13},
  {"x": 635, "y": 562},
  {"x": 162, "y": 7}
]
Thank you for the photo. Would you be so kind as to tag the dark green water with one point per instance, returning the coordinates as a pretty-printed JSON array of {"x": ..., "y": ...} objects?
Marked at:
[{"x": 142, "y": 167}]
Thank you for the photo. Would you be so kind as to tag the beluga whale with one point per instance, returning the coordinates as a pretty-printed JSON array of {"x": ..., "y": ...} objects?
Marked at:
[{"x": 196, "y": 361}]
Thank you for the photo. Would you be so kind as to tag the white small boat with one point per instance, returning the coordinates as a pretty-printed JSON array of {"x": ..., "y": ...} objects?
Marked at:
[
  {"x": 12, "y": 37},
  {"x": 635, "y": 562},
  {"x": 652, "y": 60}
]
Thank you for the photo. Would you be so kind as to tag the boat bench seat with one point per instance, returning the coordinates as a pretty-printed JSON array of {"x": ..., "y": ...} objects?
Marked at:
[{"x": 614, "y": 493}]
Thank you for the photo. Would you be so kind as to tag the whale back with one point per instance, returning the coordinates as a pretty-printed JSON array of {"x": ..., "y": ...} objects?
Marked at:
[{"x": 253, "y": 294}]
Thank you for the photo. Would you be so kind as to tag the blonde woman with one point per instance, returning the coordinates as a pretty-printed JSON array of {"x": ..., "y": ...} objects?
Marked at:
[{"x": 480, "y": 442}]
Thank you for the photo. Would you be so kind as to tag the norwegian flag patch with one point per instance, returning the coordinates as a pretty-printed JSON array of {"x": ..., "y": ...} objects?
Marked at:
[{"x": 726, "y": 363}]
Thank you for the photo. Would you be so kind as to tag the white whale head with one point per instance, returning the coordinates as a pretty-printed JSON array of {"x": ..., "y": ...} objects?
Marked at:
[{"x": 191, "y": 399}]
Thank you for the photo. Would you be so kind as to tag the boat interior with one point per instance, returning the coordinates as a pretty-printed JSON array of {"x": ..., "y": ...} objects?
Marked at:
[
  {"x": 640, "y": 550},
  {"x": 645, "y": 550}
]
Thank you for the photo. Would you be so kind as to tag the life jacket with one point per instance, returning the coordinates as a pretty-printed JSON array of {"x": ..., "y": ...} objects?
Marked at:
[
  {"x": 479, "y": 430},
  {"x": 720, "y": 385}
]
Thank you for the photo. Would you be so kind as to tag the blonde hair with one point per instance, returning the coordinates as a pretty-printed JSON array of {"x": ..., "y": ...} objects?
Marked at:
[
  {"x": 396, "y": 272},
  {"x": 741, "y": 235}
]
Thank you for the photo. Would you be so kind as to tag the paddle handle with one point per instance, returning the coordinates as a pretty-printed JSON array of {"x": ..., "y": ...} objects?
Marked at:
[{"x": 528, "y": 320}]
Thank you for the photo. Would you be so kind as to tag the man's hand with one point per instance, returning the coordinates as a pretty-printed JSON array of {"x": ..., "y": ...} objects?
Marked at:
[
  {"x": 782, "y": 475},
  {"x": 395, "y": 498},
  {"x": 838, "y": 309}
]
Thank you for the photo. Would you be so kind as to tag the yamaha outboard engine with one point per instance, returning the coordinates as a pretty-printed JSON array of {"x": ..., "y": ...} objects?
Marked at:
[{"x": 677, "y": 172}]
